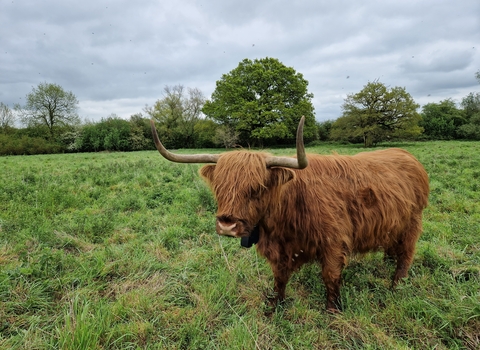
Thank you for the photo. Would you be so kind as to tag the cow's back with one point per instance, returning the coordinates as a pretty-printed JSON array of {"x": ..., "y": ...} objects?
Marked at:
[{"x": 363, "y": 202}]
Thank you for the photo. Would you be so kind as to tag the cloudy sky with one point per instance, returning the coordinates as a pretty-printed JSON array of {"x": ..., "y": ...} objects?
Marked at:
[{"x": 117, "y": 56}]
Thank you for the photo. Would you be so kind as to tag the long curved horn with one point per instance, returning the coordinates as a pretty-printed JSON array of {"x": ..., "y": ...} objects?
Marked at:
[
  {"x": 181, "y": 158},
  {"x": 301, "y": 161}
]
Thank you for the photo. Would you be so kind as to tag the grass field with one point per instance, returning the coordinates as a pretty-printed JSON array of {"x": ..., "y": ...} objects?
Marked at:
[{"x": 119, "y": 251}]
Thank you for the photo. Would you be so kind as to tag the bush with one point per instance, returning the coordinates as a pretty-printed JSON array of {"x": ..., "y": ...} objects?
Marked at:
[
  {"x": 111, "y": 134},
  {"x": 471, "y": 130},
  {"x": 26, "y": 145},
  {"x": 204, "y": 133},
  {"x": 323, "y": 129}
]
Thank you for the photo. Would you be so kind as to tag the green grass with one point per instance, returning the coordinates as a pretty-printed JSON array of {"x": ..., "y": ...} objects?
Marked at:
[{"x": 118, "y": 251}]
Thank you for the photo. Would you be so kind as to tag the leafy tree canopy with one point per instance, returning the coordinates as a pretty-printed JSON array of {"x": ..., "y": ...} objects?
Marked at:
[
  {"x": 471, "y": 108},
  {"x": 441, "y": 120},
  {"x": 177, "y": 113},
  {"x": 262, "y": 100},
  {"x": 205, "y": 130},
  {"x": 471, "y": 104},
  {"x": 377, "y": 113},
  {"x": 49, "y": 105}
]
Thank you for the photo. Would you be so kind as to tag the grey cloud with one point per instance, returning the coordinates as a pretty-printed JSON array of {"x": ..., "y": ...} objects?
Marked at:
[
  {"x": 116, "y": 56},
  {"x": 441, "y": 60}
]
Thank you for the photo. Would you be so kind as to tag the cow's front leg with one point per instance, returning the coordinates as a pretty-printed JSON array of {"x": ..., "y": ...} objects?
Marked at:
[
  {"x": 281, "y": 274},
  {"x": 282, "y": 271},
  {"x": 331, "y": 275}
]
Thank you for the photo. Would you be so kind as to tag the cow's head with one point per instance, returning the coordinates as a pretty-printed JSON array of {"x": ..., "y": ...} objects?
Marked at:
[{"x": 245, "y": 184}]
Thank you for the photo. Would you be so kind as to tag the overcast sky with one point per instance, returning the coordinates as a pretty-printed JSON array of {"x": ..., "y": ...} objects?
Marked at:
[{"x": 117, "y": 56}]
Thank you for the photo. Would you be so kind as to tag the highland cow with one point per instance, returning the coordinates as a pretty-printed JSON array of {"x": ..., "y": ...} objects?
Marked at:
[{"x": 317, "y": 208}]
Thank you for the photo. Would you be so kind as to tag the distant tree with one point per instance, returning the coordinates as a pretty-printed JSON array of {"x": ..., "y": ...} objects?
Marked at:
[
  {"x": 441, "y": 120},
  {"x": 226, "y": 136},
  {"x": 7, "y": 118},
  {"x": 376, "y": 114},
  {"x": 176, "y": 114},
  {"x": 477, "y": 75},
  {"x": 49, "y": 105},
  {"x": 262, "y": 100},
  {"x": 471, "y": 109},
  {"x": 205, "y": 130},
  {"x": 140, "y": 133},
  {"x": 471, "y": 130},
  {"x": 471, "y": 104},
  {"x": 324, "y": 129},
  {"x": 117, "y": 136}
]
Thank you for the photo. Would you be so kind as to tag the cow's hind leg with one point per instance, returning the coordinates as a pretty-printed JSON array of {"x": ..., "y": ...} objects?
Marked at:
[{"x": 405, "y": 249}]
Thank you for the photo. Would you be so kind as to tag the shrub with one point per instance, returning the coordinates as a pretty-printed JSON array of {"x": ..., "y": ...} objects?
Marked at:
[{"x": 25, "y": 145}]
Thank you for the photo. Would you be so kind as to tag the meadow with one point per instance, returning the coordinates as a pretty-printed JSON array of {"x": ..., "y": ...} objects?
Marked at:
[{"x": 119, "y": 251}]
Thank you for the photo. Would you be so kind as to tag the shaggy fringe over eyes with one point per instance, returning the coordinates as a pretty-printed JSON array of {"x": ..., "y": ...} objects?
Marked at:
[
  {"x": 238, "y": 176},
  {"x": 250, "y": 175}
]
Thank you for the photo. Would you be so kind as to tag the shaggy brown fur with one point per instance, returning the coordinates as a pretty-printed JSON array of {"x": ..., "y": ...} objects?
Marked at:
[{"x": 337, "y": 206}]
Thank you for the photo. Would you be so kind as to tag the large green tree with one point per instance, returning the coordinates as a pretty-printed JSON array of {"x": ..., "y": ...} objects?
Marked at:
[
  {"x": 376, "y": 114},
  {"x": 51, "y": 106},
  {"x": 177, "y": 113},
  {"x": 262, "y": 100}
]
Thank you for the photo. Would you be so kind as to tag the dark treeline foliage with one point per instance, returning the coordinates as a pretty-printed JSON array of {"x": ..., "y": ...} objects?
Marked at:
[
  {"x": 256, "y": 104},
  {"x": 442, "y": 120},
  {"x": 30, "y": 140},
  {"x": 446, "y": 121},
  {"x": 439, "y": 121},
  {"x": 111, "y": 134},
  {"x": 378, "y": 114},
  {"x": 22, "y": 144},
  {"x": 471, "y": 109}
]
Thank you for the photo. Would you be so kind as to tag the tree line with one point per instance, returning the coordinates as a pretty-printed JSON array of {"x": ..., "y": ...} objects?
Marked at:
[
  {"x": 257, "y": 104},
  {"x": 378, "y": 113}
]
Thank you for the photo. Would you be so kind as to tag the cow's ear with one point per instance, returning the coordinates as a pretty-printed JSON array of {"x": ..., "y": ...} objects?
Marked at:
[
  {"x": 207, "y": 172},
  {"x": 280, "y": 176}
]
